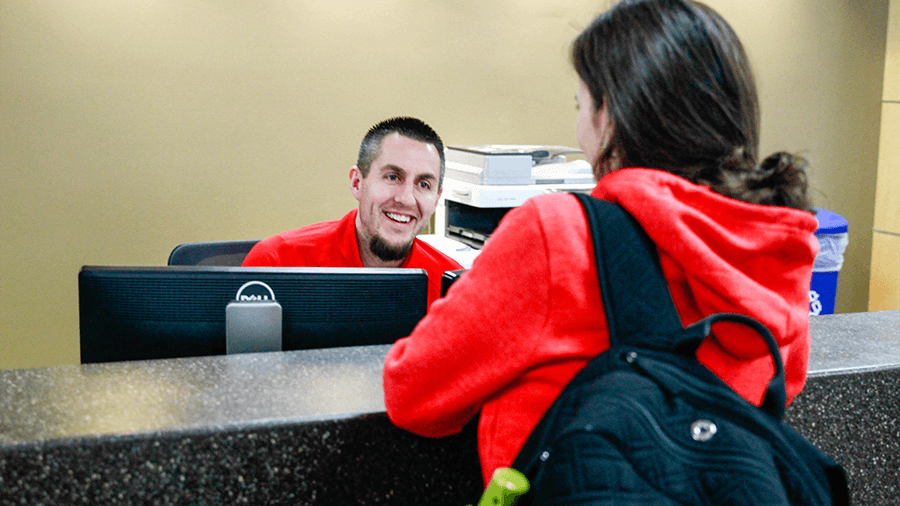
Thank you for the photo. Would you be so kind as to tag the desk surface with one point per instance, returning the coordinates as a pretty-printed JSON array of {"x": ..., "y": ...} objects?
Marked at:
[
  {"x": 855, "y": 342},
  {"x": 259, "y": 389},
  {"x": 185, "y": 393}
]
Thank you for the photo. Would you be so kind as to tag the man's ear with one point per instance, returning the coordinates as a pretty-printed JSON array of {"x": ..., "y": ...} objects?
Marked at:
[{"x": 356, "y": 178}]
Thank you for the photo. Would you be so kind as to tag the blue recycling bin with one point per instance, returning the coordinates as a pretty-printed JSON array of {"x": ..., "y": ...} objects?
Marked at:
[{"x": 833, "y": 239}]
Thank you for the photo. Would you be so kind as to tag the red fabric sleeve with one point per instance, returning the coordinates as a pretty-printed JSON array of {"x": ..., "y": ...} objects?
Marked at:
[{"x": 476, "y": 340}]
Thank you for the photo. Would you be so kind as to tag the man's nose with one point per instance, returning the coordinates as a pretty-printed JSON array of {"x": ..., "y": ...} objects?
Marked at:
[{"x": 405, "y": 195}]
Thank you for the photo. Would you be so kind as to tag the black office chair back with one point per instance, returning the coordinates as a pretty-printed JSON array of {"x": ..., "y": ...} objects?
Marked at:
[{"x": 224, "y": 253}]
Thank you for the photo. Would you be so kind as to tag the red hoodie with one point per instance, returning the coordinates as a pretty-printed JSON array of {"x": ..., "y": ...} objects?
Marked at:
[{"x": 527, "y": 316}]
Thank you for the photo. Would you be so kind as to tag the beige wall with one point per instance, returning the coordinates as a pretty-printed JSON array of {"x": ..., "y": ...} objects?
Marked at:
[
  {"x": 885, "y": 278},
  {"x": 129, "y": 127}
]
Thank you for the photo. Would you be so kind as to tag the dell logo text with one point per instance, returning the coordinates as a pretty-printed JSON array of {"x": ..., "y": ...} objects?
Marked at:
[
  {"x": 255, "y": 291},
  {"x": 253, "y": 297}
]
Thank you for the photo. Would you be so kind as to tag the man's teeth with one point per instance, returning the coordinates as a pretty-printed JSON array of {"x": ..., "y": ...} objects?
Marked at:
[{"x": 398, "y": 217}]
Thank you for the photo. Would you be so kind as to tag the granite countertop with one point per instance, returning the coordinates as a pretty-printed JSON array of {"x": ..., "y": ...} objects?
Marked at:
[
  {"x": 200, "y": 392},
  {"x": 257, "y": 389},
  {"x": 854, "y": 342}
]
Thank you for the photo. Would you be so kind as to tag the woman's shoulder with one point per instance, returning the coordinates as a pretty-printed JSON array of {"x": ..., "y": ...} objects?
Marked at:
[
  {"x": 558, "y": 217},
  {"x": 553, "y": 206}
]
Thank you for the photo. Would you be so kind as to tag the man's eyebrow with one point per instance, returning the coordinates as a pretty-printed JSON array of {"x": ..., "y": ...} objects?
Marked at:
[{"x": 394, "y": 168}]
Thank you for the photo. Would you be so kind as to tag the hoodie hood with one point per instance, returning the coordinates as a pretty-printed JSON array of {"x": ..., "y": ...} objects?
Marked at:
[{"x": 719, "y": 255}]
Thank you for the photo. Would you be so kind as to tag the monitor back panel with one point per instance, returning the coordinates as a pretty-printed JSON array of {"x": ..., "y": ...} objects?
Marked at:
[{"x": 135, "y": 313}]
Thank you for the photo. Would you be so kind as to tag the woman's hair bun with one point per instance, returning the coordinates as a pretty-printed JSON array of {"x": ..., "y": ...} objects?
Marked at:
[{"x": 780, "y": 180}]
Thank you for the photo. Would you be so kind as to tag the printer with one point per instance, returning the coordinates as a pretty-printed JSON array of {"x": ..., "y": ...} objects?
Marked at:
[{"x": 482, "y": 183}]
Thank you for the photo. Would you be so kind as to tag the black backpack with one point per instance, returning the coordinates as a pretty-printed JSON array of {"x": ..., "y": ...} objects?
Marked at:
[{"x": 645, "y": 423}]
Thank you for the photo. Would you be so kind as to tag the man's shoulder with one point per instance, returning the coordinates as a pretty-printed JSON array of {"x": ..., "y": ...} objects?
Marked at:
[
  {"x": 318, "y": 244},
  {"x": 314, "y": 234},
  {"x": 308, "y": 235}
]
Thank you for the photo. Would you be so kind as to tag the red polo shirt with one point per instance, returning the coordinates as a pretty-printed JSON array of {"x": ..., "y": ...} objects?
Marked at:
[{"x": 334, "y": 244}]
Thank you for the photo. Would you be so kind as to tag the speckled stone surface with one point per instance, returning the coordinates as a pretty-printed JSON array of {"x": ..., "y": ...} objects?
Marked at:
[
  {"x": 850, "y": 407},
  {"x": 308, "y": 427},
  {"x": 855, "y": 418},
  {"x": 304, "y": 427},
  {"x": 357, "y": 460},
  {"x": 180, "y": 394},
  {"x": 855, "y": 342}
]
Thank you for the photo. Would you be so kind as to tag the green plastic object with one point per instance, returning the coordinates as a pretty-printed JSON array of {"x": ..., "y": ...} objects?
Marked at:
[{"x": 506, "y": 484}]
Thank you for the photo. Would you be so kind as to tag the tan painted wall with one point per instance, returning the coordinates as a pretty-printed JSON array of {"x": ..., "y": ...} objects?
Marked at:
[
  {"x": 884, "y": 285},
  {"x": 129, "y": 127}
]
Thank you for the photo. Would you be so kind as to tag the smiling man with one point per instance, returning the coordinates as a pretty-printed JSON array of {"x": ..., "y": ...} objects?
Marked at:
[{"x": 397, "y": 181}]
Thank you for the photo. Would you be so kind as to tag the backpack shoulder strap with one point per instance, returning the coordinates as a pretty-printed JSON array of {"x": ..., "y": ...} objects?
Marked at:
[{"x": 635, "y": 296}]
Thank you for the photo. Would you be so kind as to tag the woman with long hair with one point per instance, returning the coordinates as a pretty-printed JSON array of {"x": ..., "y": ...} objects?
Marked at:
[{"x": 668, "y": 117}]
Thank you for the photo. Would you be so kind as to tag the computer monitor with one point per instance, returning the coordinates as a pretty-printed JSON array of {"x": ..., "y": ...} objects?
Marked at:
[
  {"x": 449, "y": 278},
  {"x": 139, "y": 313}
]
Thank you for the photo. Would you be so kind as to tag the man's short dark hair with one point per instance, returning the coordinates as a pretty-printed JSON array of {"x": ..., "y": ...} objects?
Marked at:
[{"x": 407, "y": 127}]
